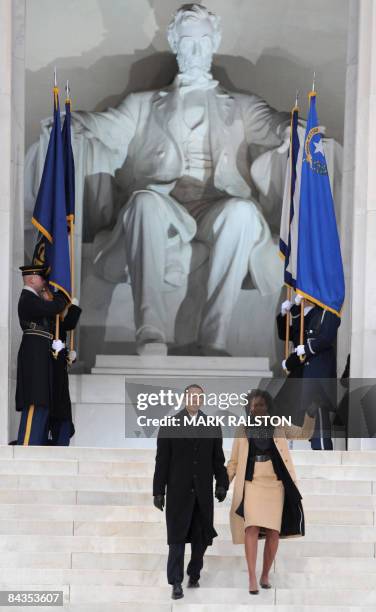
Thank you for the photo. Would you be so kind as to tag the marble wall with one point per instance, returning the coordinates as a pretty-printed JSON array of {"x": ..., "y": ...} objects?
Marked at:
[
  {"x": 12, "y": 74},
  {"x": 363, "y": 303}
]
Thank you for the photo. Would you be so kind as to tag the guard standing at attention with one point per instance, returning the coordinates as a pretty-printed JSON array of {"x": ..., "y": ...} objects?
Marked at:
[
  {"x": 34, "y": 362},
  {"x": 318, "y": 361}
]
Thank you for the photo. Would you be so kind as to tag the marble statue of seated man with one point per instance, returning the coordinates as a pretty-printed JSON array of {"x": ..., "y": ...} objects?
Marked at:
[{"x": 181, "y": 159}]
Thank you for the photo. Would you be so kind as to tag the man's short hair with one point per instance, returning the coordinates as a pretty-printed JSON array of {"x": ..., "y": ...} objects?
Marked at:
[
  {"x": 193, "y": 386},
  {"x": 193, "y": 12}
]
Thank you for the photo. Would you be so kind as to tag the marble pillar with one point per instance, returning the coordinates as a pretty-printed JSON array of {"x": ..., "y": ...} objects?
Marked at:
[
  {"x": 12, "y": 72},
  {"x": 360, "y": 176}
]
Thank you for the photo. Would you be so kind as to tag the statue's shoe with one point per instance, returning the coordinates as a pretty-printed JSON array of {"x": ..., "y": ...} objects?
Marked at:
[
  {"x": 151, "y": 348},
  {"x": 150, "y": 341},
  {"x": 213, "y": 351}
]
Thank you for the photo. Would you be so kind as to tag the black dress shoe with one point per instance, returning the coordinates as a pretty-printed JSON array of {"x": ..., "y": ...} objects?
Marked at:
[
  {"x": 193, "y": 583},
  {"x": 265, "y": 585},
  {"x": 177, "y": 591},
  {"x": 254, "y": 592}
]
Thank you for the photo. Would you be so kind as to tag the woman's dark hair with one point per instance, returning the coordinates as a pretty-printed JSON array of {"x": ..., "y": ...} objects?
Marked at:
[{"x": 259, "y": 393}]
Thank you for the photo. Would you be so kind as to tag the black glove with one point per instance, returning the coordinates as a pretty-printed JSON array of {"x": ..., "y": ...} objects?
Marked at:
[
  {"x": 312, "y": 410},
  {"x": 159, "y": 502},
  {"x": 292, "y": 362},
  {"x": 220, "y": 493}
]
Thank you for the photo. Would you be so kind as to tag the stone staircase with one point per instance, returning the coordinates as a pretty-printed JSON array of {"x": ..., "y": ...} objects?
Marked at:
[{"x": 81, "y": 520}]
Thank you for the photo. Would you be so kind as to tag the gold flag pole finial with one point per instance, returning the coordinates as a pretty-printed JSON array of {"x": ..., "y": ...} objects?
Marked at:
[{"x": 314, "y": 81}]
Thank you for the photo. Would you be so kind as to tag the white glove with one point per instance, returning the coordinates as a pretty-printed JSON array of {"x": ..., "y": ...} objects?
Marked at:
[
  {"x": 75, "y": 302},
  {"x": 58, "y": 345},
  {"x": 72, "y": 356},
  {"x": 300, "y": 350},
  {"x": 286, "y": 307},
  {"x": 284, "y": 365},
  {"x": 298, "y": 299}
]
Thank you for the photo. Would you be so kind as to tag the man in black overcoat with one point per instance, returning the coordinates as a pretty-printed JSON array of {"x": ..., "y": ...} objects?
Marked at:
[
  {"x": 34, "y": 362},
  {"x": 188, "y": 459},
  {"x": 317, "y": 365}
]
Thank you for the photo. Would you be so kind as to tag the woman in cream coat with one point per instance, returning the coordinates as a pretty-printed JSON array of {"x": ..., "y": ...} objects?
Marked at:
[{"x": 266, "y": 501}]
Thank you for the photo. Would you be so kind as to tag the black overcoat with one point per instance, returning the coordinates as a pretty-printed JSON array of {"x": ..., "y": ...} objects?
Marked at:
[
  {"x": 187, "y": 465},
  {"x": 319, "y": 370},
  {"x": 61, "y": 406},
  {"x": 34, "y": 360},
  {"x": 320, "y": 334}
]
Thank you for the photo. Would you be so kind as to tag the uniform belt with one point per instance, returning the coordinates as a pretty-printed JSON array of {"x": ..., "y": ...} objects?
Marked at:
[
  {"x": 34, "y": 326},
  {"x": 36, "y": 332},
  {"x": 262, "y": 457}
]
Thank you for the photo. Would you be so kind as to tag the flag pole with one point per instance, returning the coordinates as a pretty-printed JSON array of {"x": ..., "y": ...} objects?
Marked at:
[
  {"x": 57, "y": 320},
  {"x": 71, "y": 235},
  {"x": 289, "y": 291},
  {"x": 287, "y": 337},
  {"x": 301, "y": 337}
]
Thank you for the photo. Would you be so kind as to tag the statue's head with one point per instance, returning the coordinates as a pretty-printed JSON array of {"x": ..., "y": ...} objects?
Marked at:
[{"x": 194, "y": 35}]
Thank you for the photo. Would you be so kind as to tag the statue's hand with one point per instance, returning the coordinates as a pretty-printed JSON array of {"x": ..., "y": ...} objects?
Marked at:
[
  {"x": 46, "y": 124},
  {"x": 285, "y": 140}
]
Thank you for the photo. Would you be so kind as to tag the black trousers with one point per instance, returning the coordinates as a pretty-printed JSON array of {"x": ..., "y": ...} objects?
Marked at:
[
  {"x": 321, "y": 439},
  {"x": 175, "y": 562}
]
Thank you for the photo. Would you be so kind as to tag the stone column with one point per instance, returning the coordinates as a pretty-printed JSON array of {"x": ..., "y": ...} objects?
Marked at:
[
  {"x": 12, "y": 74},
  {"x": 361, "y": 174},
  {"x": 347, "y": 200}
]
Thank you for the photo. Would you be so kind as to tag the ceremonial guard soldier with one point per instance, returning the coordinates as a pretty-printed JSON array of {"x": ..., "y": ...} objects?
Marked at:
[
  {"x": 314, "y": 359},
  {"x": 34, "y": 361},
  {"x": 187, "y": 460},
  {"x": 61, "y": 423}
]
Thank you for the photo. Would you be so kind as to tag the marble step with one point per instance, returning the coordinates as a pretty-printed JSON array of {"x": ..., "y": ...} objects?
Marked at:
[
  {"x": 17, "y": 577},
  {"x": 154, "y": 562},
  {"x": 300, "y": 547},
  {"x": 90, "y": 482},
  {"x": 300, "y": 457},
  {"x": 147, "y": 513},
  {"x": 129, "y": 498},
  {"x": 139, "y": 469},
  {"x": 314, "y": 533},
  {"x": 177, "y": 366},
  {"x": 180, "y": 606},
  {"x": 284, "y": 562},
  {"x": 147, "y": 530},
  {"x": 134, "y": 498},
  {"x": 204, "y": 596}
]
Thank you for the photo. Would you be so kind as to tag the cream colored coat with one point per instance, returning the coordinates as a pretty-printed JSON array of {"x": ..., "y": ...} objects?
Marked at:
[{"x": 237, "y": 464}]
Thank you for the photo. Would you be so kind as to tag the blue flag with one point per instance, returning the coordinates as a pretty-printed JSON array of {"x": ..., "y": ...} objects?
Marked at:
[
  {"x": 68, "y": 162},
  {"x": 50, "y": 216},
  {"x": 320, "y": 275},
  {"x": 290, "y": 209}
]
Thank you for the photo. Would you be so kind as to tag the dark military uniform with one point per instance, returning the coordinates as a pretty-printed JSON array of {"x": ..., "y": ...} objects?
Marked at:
[
  {"x": 61, "y": 423},
  {"x": 320, "y": 333},
  {"x": 34, "y": 364}
]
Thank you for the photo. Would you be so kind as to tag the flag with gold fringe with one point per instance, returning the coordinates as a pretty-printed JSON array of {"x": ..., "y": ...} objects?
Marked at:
[{"x": 50, "y": 211}]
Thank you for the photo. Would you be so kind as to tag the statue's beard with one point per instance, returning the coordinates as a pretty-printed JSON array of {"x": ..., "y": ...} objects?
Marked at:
[{"x": 194, "y": 66}]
